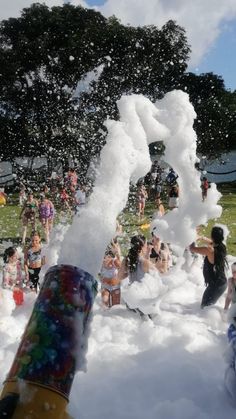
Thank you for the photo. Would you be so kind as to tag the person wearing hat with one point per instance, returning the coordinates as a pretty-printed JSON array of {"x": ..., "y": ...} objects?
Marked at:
[
  {"x": 231, "y": 291},
  {"x": 159, "y": 252}
]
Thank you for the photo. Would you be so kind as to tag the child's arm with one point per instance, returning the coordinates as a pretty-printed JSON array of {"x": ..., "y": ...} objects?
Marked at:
[
  {"x": 5, "y": 277},
  {"x": 26, "y": 265},
  {"x": 19, "y": 273}
]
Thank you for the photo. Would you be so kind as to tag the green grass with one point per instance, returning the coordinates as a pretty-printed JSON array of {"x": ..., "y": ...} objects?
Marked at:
[
  {"x": 228, "y": 217},
  {"x": 10, "y": 224}
]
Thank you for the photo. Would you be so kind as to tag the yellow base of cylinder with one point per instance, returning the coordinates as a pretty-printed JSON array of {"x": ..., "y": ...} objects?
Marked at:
[{"x": 36, "y": 402}]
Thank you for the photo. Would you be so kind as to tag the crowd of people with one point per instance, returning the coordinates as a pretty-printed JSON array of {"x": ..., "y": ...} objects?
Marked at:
[
  {"x": 37, "y": 212},
  {"x": 13, "y": 277},
  {"x": 143, "y": 256}
]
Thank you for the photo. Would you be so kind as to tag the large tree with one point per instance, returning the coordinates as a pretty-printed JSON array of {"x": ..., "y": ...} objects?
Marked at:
[
  {"x": 46, "y": 52},
  {"x": 215, "y": 124}
]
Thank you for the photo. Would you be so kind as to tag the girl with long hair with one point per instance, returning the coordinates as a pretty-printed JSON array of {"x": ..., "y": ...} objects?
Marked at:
[
  {"x": 28, "y": 214},
  {"x": 12, "y": 273},
  {"x": 214, "y": 266},
  {"x": 137, "y": 262},
  {"x": 33, "y": 261}
]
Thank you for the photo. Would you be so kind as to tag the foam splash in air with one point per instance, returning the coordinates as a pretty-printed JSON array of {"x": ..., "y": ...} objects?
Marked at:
[{"x": 125, "y": 158}]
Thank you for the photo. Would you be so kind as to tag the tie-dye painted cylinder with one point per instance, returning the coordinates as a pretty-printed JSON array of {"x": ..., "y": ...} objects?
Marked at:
[{"x": 55, "y": 337}]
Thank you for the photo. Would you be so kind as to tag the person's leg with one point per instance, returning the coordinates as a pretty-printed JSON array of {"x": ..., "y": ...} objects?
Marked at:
[
  {"x": 139, "y": 208},
  {"x": 115, "y": 297},
  {"x": 34, "y": 278},
  {"x": 212, "y": 293},
  {"x": 33, "y": 223},
  {"x": 106, "y": 297},
  {"x": 45, "y": 226},
  {"x": 25, "y": 224},
  {"x": 143, "y": 208},
  {"x": 50, "y": 224}
]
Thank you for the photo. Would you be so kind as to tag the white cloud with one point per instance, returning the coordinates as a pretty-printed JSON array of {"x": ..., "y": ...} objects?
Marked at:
[{"x": 203, "y": 20}]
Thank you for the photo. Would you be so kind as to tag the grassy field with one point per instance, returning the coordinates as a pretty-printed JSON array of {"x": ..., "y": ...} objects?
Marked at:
[
  {"x": 228, "y": 217},
  {"x": 10, "y": 224}
]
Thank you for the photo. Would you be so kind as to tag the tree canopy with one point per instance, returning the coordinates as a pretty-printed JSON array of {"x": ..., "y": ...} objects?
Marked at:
[{"x": 44, "y": 55}]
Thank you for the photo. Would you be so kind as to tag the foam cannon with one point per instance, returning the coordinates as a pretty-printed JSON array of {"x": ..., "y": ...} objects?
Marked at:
[{"x": 40, "y": 379}]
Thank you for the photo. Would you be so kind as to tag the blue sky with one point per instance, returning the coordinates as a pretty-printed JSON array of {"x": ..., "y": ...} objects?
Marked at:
[
  {"x": 95, "y": 2},
  {"x": 220, "y": 58}
]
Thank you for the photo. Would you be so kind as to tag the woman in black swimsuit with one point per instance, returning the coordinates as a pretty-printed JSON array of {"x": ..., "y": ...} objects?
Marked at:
[{"x": 214, "y": 266}]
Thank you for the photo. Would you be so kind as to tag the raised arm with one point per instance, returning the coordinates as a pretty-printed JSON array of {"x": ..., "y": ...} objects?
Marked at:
[{"x": 202, "y": 250}]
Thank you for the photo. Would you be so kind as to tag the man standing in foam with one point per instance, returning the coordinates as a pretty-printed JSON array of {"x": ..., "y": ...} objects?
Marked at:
[{"x": 126, "y": 157}]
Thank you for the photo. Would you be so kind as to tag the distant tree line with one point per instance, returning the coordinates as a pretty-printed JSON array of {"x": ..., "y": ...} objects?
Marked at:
[{"x": 45, "y": 53}]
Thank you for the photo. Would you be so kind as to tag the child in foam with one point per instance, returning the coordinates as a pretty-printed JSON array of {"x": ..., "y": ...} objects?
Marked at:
[
  {"x": 231, "y": 291},
  {"x": 174, "y": 197},
  {"x": 46, "y": 215},
  {"x": 137, "y": 262},
  {"x": 12, "y": 272},
  {"x": 22, "y": 195},
  {"x": 159, "y": 253},
  {"x": 79, "y": 198},
  {"x": 142, "y": 195},
  {"x": 160, "y": 211},
  {"x": 71, "y": 180},
  {"x": 110, "y": 283},
  {"x": 204, "y": 187},
  {"x": 230, "y": 354},
  {"x": 33, "y": 262},
  {"x": 28, "y": 214}
]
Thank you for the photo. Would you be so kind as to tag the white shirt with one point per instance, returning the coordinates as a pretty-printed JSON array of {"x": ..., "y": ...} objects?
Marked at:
[{"x": 80, "y": 197}]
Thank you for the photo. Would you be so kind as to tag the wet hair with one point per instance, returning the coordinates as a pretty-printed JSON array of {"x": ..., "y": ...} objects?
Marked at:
[
  {"x": 137, "y": 243},
  {"x": 217, "y": 235},
  {"x": 10, "y": 251},
  {"x": 35, "y": 233}
]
